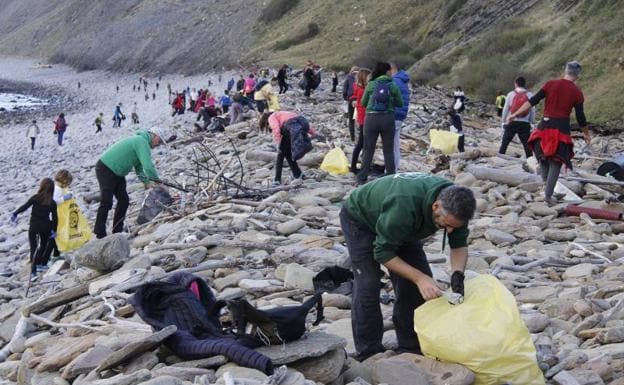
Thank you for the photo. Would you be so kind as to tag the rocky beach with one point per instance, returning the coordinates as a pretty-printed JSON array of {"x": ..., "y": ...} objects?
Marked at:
[{"x": 251, "y": 240}]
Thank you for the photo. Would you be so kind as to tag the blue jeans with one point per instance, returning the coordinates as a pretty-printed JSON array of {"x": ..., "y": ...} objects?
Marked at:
[{"x": 59, "y": 137}]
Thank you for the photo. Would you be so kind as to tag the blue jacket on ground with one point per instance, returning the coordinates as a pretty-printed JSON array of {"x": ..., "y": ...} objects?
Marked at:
[{"x": 401, "y": 79}]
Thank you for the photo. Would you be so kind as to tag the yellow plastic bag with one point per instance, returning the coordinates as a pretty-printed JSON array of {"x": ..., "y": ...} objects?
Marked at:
[
  {"x": 335, "y": 162},
  {"x": 485, "y": 334},
  {"x": 72, "y": 230},
  {"x": 444, "y": 141}
]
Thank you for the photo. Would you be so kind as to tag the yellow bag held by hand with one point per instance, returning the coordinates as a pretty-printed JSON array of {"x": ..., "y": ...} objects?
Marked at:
[
  {"x": 335, "y": 162},
  {"x": 72, "y": 230},
  {"x": 444, "y": 141},
  {"x": 484, "y": 334}
]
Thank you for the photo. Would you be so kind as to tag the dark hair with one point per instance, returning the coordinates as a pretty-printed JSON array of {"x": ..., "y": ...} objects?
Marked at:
[
  {"x": 62, "y": 115},
  {"x": 264, "y": 120},
  {"x": 274, "y": 79},
  {"x": 381, "y": 68},
  {"x": 45, "y": 193},
  {"x": 459, "y": 201},
  {"x": 521, "y": 81},
  {"x": 226, "y": 92}
]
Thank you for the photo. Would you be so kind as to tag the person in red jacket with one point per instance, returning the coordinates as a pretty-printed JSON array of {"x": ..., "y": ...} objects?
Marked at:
[
  {"x": 551, "y": 141},
  {"x": 359, "y": 86},
  {"x": 178, "y": 105}
]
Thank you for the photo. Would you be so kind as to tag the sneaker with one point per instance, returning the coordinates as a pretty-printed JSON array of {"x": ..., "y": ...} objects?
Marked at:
[
  {"x": 33, "y": 277},
  {"x": 276, "y": 183}
]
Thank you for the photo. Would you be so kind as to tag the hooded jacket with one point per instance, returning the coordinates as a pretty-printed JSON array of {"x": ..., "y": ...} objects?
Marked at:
[
  {"x": 402, "y": 79},
  {"x": 396, "y": 99},
  {"x": 132, "y": 152}
]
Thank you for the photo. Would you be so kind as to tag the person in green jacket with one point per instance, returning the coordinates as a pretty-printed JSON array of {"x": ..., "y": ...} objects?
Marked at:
[
  {"x": 380, "y": 98},
  {"x": 130, "y": 153},
  {"x": 383, "y": 223}
]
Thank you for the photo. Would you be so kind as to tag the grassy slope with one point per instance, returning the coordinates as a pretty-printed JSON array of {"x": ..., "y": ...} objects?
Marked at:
[{"x": 535, "y": 43}]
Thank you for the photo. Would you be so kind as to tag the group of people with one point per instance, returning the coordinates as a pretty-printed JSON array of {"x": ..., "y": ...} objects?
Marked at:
[{"x": 383, "y": 221}]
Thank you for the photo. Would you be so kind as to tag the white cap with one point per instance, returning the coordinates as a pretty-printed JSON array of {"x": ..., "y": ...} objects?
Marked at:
[{"x": 165, "y": 134}]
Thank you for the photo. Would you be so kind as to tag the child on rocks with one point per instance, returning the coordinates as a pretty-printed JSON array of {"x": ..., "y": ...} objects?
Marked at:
[
  {"x": 62, "y": 181},
  {"x": 32, "y": 133},
  {"x": 42, "y": 228}
]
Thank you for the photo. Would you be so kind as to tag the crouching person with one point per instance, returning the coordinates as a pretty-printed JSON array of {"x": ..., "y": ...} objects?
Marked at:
[{"x": 383, "y": 223}]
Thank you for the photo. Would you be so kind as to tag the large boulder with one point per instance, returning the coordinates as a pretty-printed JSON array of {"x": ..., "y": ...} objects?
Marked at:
[
  {"x": 106, "y": 254},
  {"x": 410, "y": 368}
]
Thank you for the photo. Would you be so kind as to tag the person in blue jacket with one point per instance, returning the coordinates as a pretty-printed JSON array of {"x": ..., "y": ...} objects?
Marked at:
[{"x": 401, "y": 79}]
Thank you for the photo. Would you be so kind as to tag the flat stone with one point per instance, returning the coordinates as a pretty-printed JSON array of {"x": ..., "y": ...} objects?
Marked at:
[
  {"x": 324, "y": 369},
  {"x": 342, "y": 328},
  {"x": 398, "y": 373},
  {"x": 535, "y": 322},
  {"x": 254, "y": 284},
  {"x": 291, "y": 226},
  {"x": 438, "y": 372},
  {"x": 313, "y": 344},
  {"x": 164, "y": 380},
  {"x": 298, "y": 277},
  {"x": 559, "y": 235},
  {"x": 241, "y": 372},
  {"x": 118, "y": 277},
  {"x": 337, "y": 300},
  {"x": 231, "y": 293},
  {"x": 579, "y": 271},
  {"x": 210, "y": 362},
  {"x": 133, "y": 349},
  {"x": 230, "y": 280},
  {"x": 543, "y": 210},
  {"x": 86, "y": 362},
  {"x": 146, "y": 360},
  {"x": 536, "y": 294},
  {"x": 499, "y": 237},
  {"x": 185, "y": 374},
  {"x": 61, "y": 351}
]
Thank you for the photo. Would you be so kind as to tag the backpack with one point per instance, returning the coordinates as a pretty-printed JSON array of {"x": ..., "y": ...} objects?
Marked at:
[
  {"x": 519, "y": 99},
  {"x": 261, "y": 84},
  {"x": 381, "y": 96}
]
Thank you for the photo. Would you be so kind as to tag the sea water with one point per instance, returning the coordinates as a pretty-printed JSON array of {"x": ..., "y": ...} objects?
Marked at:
[{"x": 11, "y": 101}]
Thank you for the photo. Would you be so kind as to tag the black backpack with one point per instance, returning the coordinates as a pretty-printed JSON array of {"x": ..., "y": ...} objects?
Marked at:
[
  {"x": 381, "y": 96},
  {"x": 261, "y": 84}
]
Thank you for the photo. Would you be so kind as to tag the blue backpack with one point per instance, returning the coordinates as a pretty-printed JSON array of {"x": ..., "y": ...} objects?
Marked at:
[{"x": 381, "y": 96}]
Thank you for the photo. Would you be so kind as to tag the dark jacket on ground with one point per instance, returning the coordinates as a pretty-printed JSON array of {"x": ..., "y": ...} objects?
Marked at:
[{"x": 199, "y": 334}]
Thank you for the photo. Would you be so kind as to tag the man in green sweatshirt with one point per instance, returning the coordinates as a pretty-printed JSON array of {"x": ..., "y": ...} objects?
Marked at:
[
  {"x": 115, "y": 164},
  {"x": 384, "y": 222}
]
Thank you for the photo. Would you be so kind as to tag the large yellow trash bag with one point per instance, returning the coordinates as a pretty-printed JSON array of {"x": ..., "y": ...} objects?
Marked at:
[
  {"x": 444, "y": 141},
  {"x": 72, "y": 230},
  {"x": 335, "y": 162},
  {"x": 484, "y": 334}
]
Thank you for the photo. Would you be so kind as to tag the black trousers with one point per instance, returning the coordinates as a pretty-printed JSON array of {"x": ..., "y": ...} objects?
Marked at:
[
  {"x": 32, "y": 143},
  {"x": 110, "y": 185},
  {"x": 283, "y": 86},
  {"x": 285, "y": 152},
  {"x": 366, "y": 318},
  {"x": 358, "y": 148},
  {"x": 460, "y": 144},
  {"x": 226, "y": 108},
  {"x": 375, "y": 125},
  {"x": 40, "y": 246},
  {"x": 523, "y": 130},
  {"x": 350, "y": 110},
  {"x": 99, "y": 128}
]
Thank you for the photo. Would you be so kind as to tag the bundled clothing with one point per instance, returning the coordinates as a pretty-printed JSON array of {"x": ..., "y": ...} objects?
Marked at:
[
  {"x": 130, "y": 153},
  {"x": 43, "y": 222},
  {"x": 521, "y": 125},
  {"x": 381, "y": 220},
  {"x": 551, "y": 141},
  {"x": 401, "y": 79},
  {"x": 379, "y": 122}
]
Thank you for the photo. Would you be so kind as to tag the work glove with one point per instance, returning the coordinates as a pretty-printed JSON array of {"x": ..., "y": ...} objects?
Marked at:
[
  {"x": 14, "y": 219},
  {"x": 53, "y": 234},
  {"x": 457, "y": 282},
  {"x": 68, "y": 196}
]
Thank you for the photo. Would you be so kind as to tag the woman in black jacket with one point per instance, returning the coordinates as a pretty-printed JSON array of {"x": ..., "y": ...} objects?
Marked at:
[{"x": 42, "y": 228}]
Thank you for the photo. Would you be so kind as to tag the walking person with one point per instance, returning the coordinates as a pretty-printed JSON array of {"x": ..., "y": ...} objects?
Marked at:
[
  {"x": 521, "y": 124},
  {"x": 60, "y": 126},
  {"x": 130, "y": 153},
  {"x": 360, "y": 113},
  {"x": 551, "y": 141},
  {"x": 62, "y": 181},
  {"x": 43, "y": 222},
  {"x": 456, "y": 126},
  {"x": 459, "y": 100},
  {"x": 99, "y": 120},
  {"x": 347, "y": 93},
  {"x": 308, "y": 76},
  {"x": 225, "y": 101},
  {"x": 381, "y": 97},
  {"x": 384, "y": 223},
  {"x": 290, "y": 132},
  {"x": 32, "y": 132},
  {"x": 118, "y": 116},
  {"x": 401, "y": 79},
  {"x": 134, "y": 115},
  {"x": 500, "y": 103},
  {"x": 334, "y": 81},
  {"x": 282, "y": 75}
]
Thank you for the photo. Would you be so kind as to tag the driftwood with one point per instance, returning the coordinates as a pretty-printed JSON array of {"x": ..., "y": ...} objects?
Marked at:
[
  {"x": 210, "y": 242},
  {"x": 508, "y": 177},
  {"x": 57, "y": 299}
]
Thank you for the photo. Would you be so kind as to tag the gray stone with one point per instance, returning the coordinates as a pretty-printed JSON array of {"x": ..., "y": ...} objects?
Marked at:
[
  {"x": 337, "y": 300},
  {"x": 438, "y": 372},
  {"x": 535, "y": 322},
  {"x": 87, "y": 361},
  {"x": 322, "y": 369},
  {"x": 164, "y": 380},
  {"x": 255, "y": 284},
  {"x": 499, "y": 237},
  {"x": 210, "y": 362},
  {"x": 565, "y": 378},
  {"x": 536, "y": 294},
  {"x": 465, "y": 179},
  {"x": 343, "y": 329},
  {"x": 579, "y": 271},
  {"x": 230, "y": 280},
  {"x": 192, "y": 257},
  {"x": 298, "y": 277},
  {"x": 185, "y": 374},
  {"x": 559, "y": 235},
  {"x": 292, "y": 226},
  {"x": 146, "y": 360},
  {"x": 241, "y": 372},
  {"x": 398, "y": 373},
  {"x": 8, "y": 370},
  {"x": 106, "y": 254},
  {"x": 543, "y": 210},
  {"x": 313, "y": 344}
]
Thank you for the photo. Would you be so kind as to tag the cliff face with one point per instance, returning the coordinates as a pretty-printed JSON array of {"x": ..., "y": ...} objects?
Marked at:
[
  {"x": 190, "y": 36},
  {"x": 481, "y": 45}
]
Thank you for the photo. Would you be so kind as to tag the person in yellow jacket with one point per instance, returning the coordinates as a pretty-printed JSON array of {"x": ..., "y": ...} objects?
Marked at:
[
  {"x": 500, "y": 104},
  {"x": 266, "y": 99}
]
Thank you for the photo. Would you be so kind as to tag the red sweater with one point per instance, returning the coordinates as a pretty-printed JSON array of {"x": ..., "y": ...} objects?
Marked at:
[
  {"x": 358, "y": 92},
  {"x": 561, "y": 96}
]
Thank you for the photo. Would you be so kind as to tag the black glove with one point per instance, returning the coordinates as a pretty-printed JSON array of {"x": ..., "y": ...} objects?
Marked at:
[{"x": 457, "y": 282}]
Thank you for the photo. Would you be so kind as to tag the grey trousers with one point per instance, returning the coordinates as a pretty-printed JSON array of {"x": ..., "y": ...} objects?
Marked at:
[
  {"x": 375, "y": 125},
  {"x": 550, "y": 168}
]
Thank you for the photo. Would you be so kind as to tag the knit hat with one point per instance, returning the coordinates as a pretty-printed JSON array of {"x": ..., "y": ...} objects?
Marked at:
[{"x": 165, "y": 134}]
